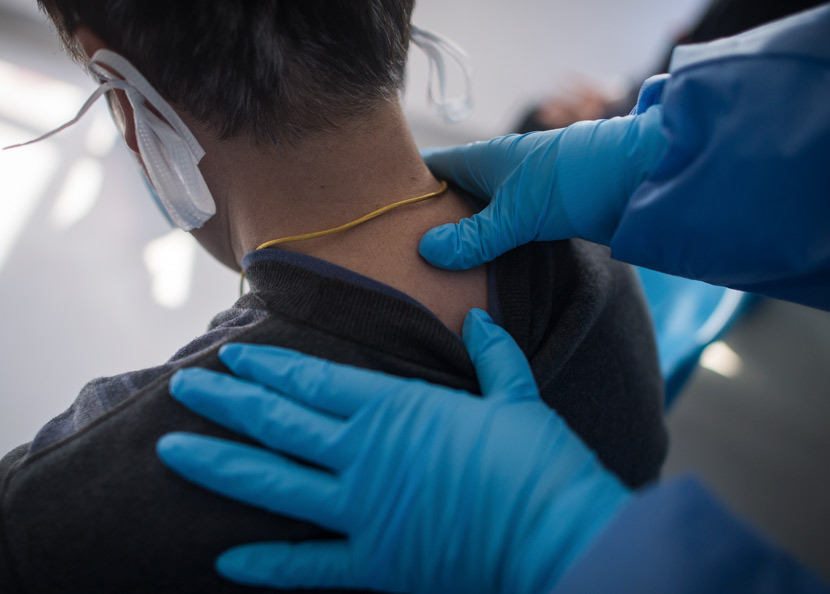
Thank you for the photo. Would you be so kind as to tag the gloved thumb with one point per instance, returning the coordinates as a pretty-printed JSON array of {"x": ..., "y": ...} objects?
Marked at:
[
  {"x": 471, "y": 242},
  {"x": 503, "y": 370},
  {"x": 467, "y": 165}
]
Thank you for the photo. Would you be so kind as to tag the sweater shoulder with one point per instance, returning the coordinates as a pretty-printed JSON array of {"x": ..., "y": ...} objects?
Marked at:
[{"x": 583, "y": 322}]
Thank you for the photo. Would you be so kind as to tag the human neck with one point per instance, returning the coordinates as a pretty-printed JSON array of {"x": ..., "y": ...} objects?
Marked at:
[
  {"x": 322, "y": 183},
  {"x": 332, "y": 180}
]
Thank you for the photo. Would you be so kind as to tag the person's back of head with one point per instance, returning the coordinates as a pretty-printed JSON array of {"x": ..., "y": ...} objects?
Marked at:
[
  {"x": 276, "y": 71},
  {"x": 295, "y": 107}
]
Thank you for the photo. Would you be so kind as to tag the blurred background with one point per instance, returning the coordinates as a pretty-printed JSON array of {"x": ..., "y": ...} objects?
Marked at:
[{"x": 93, "y": 282}]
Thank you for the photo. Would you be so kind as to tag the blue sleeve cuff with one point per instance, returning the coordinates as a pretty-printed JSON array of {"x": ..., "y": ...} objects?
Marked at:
[
  {"x": 651, "y": 93},
  {"x": 676, "y": 537}
]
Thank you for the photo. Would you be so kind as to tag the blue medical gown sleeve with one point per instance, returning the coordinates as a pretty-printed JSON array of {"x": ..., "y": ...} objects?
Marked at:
[
  {"x": 742, "y": 196},
  {"x": 676, "y": 538}
]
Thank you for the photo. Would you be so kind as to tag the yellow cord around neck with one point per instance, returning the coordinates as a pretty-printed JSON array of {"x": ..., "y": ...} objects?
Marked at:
[{"x": 355, "y": 223}]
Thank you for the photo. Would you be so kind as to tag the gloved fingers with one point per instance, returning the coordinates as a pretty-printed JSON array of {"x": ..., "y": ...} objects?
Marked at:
[
  {"x": 266, "y": 416},
  {"x": 465, "y": 166},
  {"x": 481, "y": 168},
  {"x": 311, "y": 564},
  {"x": 337, "y": 389},
  {"x": 503, "y": 370},
  {"x": 255, "y": 477},
  {"x": 470, "y": 242}
]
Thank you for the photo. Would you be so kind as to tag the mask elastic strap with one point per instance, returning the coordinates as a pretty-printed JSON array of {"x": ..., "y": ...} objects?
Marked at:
[
  {"x": 89, "y": 103},
  {"x": 436, "y": 47}
]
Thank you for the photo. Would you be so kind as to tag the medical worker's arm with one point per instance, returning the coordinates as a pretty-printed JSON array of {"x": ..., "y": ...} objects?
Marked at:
[
  {"x": 723, "y": 175},
  {"x": 434, "y": 489},
  {"x": 677, "y": 538}
]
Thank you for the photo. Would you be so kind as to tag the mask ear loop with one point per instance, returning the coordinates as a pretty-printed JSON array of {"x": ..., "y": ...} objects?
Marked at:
[
  {"x": 436, "y": 47},
  {"x": 134, "y": 81},
  {"x": 108, "y": 86}
]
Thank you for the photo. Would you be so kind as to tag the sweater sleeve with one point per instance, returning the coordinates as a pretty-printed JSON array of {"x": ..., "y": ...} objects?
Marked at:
[{"x": 676, "y": 538}]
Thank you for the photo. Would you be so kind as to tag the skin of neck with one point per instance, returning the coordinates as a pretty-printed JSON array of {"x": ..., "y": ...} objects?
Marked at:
[
  {"x": 329, "y": 179},
  {"x": 332, "y": 178}
]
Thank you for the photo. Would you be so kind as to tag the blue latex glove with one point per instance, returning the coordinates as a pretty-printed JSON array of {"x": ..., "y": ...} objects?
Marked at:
[
  {"x": 573, "y": 182},
  {"x": 435, "y": 490}
]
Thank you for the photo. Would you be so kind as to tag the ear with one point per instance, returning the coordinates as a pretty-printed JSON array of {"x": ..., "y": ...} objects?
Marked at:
[{"x": 91, "y": 43}]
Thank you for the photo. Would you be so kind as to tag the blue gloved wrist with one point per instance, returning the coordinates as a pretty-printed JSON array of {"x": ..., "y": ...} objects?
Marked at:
[
  {"x": 600, "y": 164},
  {"x": 578, "y": 518},
  {"x": 569, "y": 525}
]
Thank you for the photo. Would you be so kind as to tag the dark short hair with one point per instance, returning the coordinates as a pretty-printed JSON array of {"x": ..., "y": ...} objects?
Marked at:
[{"x": 275, "y": 70}]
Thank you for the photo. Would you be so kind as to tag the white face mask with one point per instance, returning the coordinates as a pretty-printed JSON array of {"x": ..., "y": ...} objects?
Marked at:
[
  {"x": 170, "y": 154},
  {"x": 168, "y": 150}
]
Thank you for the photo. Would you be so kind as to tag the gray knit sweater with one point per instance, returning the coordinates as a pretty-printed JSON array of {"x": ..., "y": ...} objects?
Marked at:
[{"x": 86, "y": 507}]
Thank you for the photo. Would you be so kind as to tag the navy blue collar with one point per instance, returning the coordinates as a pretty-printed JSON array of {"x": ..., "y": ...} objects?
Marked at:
[{"x": 333, "y": 271}]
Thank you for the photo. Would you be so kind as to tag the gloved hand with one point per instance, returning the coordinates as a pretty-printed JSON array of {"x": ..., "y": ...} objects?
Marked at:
[
  {"x": 434, "y": 489},
  {"x": 560, "y": 184}
]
